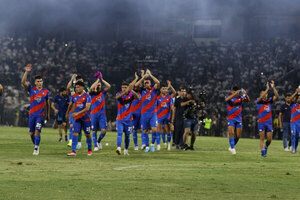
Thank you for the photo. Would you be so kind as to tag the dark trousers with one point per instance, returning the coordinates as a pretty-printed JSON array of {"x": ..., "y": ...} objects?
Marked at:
[{"x": 178, "y": 132}]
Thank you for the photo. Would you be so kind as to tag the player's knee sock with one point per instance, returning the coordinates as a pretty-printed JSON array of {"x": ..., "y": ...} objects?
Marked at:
[
  {"x": 135, "y": 139},
  {"x": 296, "y": 142},
  {"x": 71, "y": 133},
  {"x": 158, "y": 134},
  {"x": 231, "y": 142},
  {"x": 79, "y": 137},
  {"x": 74, "y": 143},
  {"x": 169, "y": 137},
  {"x": 146, "y": 138},
  {"x": 32, "y": 138},
  {"x": 236, "y": 140},
  {"x": 143, "y": 137},
  {"x": 268, "y": 143},
  {"x": 95, "y": 139},
  {"x": 163, "y": 136},
  {"x": 101, "y": 136},
  {"x": 293, "y": 138},
  {"x": 89, "y": 143},
  {"x": 127, "y": 140},
  {"x": 37, "y": 140},
  {"x": 153, "y": 137},
  {"x": 119, "y": 139}
]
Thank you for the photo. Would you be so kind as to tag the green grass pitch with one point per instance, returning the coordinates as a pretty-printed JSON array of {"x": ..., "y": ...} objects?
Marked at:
[{"x": 210, "y": 172}]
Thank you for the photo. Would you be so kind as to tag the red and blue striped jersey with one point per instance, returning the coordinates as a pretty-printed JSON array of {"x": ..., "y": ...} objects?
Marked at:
[
  {"x": 234, "y": 107},
  {"x": 38, "y": 100},
  {"x": 137, "y": 105},
  {"x": 149, "y": 100},
  {"x": 98, "y": 102},
  {"x": 80, "y": 104},
  {"x": 164, "y": 106},
  {"x": 125, "y": 107},
  {"x": 295, "y": 116},
  {"x": 265, "y": 110}
]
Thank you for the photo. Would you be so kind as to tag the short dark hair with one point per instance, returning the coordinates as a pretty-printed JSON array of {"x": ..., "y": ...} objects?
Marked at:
[
  {"x": 80, "y": 83},
  {"x": 235, "y": 88},
  {"x": 287, "y": 95},
  {"x": 38, "y": 77},
  {"x": 78, "y": 77},
  {"x": 182, "y": 88},
  {"x": 125, "y": 83},
  {"x": 62, "y": 89},
  {"x": 147, "y": 78},
  {"x": 261, "y": 90},
  {"x": 163, "y": 85}
]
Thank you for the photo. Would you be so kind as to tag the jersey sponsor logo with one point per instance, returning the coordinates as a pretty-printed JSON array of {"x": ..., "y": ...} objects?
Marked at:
[
  {"x": 148, "y": 96},
  {"x": 266, "y": 108}
]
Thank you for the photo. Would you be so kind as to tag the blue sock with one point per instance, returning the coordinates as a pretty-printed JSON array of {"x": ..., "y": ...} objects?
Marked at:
[
  {"x": 127, "y": 140},
  {"x": 163, "y": 136},
  {"x": 153, "y": 137},
  {"x": 263, "y": 152},
  {"x": 37, "y": 140},
  {"x": 169, "y": 137},
  {"x": 89, "y": 143},
  {"x": 236, "y": 140},
  {"x": 101, "y": 136},
  {"x": 119, "y": 139},
  {"x": 231, "y": 142},
  {"x": 32, "y": 138},
  {"x": 146, "y": 139},
  {"x": 135, "y": 138},
  {"x": 70, "y": 133},
  {"x": 293, "y": 138},
  {"x": 158, "y": 134},
  {"x": 95, "y": 139},
  {"x": 74, "y": 143},
  {"x": 143, "y": 137}
]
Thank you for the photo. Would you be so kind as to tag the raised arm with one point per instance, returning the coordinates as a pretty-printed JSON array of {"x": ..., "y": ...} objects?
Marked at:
[
  {"x": 264, "y": 92},
  {"x": 294, "y": 95},
  {"x": 171, "y": 87},
  {"x": 246, "y": 95},
  {"x": 157, "y": 83},
  {"x": 94, "y": 85},
  {"x": 135, "y": 95},
  {"x": 24, "y": 78},
  {"x": 276, "y": 95},
  {"x": 232, "y": 95},
  {"x": 70, "y": 82},
  {"x": 107, "y": 85}
]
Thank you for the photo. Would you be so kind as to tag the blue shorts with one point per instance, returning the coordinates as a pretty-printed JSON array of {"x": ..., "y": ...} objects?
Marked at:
[
  {"x": 35, "y": 123},
  {"x": 124, "y": 126},
  {"x": 191, "y": 124},
  {"x": 163, "y": 120},
  {"x": 295, "y": 129},
  {"x": 267, "y": 127},
  {"x": 61, "y": 118},
  {"x": 99, "y": 121},
  {"x": 136, "y": 121},
  {"x": 148, "y": 120},
  {"x": 235, "y": 123},
  {"x": 71, "y": 119},
  {"x": 81, "y": 124}
]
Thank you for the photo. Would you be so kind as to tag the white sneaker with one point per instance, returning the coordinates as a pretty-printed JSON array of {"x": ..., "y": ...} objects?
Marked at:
[
  {"x": 291, "y": 148},
  {"x": 96, "y": 149},
  {"x": 136, "y": 148},
  {"x": 169, "y": 146},
  {"x": 294, "y": 151},
  {"x": 99, "y": 146},
  {"x": 36, "y": 152},
  {"x": 143, "y": 147},
  {"x": 286, "y": 149},
  {"x": 233, "y": 151},
  {"x": 158, "y": 147},
  {"x": 126, "y": 152},
  {"x": 118, "y": 151}
]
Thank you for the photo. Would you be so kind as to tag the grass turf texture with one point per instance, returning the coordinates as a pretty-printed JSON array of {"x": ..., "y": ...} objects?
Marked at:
[{"x": 210, "y": 172}]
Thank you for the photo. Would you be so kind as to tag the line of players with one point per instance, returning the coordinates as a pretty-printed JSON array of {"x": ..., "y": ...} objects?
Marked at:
[
  {"x": 140, "y": 107},
  {"x": 264, "y": 106}
]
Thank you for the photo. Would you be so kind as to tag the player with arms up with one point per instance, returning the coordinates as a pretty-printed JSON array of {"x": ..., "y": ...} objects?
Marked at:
[
  {"x": 264, "y": 106},
  {"x": 295, "y": 119},
  {"x": 149, "y": 108},
  {"x": 98, "y": 113},
  {"x": 81, "y": 115},
  {"x": 39, "y": 98},
  {"x": 234, "y": 115},
  {"x": 124, "y": 117}
]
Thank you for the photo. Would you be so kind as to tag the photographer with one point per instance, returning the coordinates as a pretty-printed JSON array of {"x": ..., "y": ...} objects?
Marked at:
[{"x": 191, "y": 108}]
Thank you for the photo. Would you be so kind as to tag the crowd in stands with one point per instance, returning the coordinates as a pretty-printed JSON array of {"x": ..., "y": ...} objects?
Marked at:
[{"x": 215, "y": 67}]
